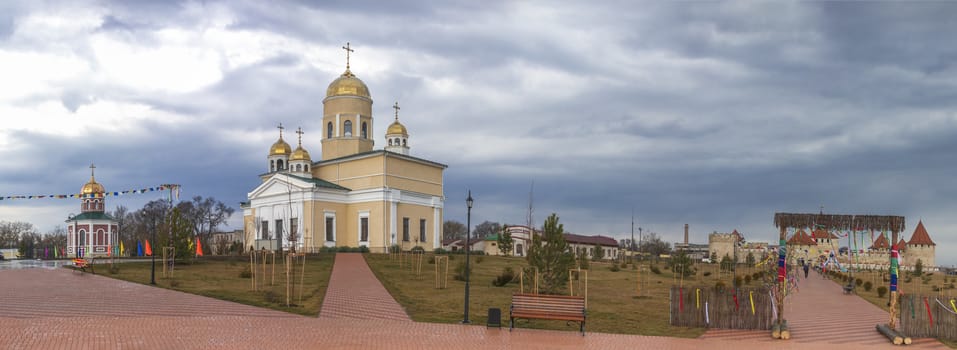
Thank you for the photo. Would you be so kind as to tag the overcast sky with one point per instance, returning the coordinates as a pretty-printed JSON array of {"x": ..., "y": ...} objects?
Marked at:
[{"x": 715, "y": 114}]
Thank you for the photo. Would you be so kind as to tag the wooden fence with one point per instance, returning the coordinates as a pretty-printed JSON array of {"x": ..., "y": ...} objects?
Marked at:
[
  {"x": 729, "y": 308},
  {"x": 928, "y": 316}
]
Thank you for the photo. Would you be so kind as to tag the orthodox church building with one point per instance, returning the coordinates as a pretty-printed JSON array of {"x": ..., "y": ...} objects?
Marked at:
[
  {"x": 92, "y": 232},
  {"x": 355, "y": 195}
]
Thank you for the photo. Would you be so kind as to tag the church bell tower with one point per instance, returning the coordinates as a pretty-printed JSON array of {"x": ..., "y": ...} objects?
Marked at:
[{"x": 346, "y": 116}]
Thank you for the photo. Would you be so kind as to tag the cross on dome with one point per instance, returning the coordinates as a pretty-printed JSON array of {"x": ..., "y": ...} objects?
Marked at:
[
  {"x": 396, "y": 108},
  {"x": 300, "y": 132},
  {"x": 348, "y": 50},
  {"x": 280, "y": 127}
]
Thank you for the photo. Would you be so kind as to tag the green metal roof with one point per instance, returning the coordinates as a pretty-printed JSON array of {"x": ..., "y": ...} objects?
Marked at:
[
  {"x": 320, "y": 182},
  {"x": 92, "y": 215}
]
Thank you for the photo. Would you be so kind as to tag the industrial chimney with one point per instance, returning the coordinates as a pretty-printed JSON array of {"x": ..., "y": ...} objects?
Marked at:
[{"x": 686, "y": 235}]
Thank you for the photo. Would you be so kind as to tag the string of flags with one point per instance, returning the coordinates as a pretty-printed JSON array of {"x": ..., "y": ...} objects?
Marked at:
[{"x": 163, "y": 187}]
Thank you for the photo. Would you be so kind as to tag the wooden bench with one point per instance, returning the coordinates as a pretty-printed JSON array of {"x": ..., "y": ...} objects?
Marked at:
[
  {"x": 547, "y": 307},
  {"x": 81, "y": 264}
]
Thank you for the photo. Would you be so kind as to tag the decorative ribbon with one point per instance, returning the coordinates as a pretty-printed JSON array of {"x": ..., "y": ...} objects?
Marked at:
[
  {"x": 751, "y": 295},
  {"x": 681, "y": 299},
  {"x": 697, "y": 298},
  {"x": 930, "y": 317},
  {"x": 774, "y": 309},
  {"x": 735, "y": 300},
  {"x": 953, "y": 306},
  {"x": 945, "y": 306},
  {"x": 706, "y": 318},
  {"x": 913, "y": 314}
]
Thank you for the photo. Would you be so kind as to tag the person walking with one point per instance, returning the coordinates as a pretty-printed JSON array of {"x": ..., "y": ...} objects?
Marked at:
[{"x": 806, "y": 268}]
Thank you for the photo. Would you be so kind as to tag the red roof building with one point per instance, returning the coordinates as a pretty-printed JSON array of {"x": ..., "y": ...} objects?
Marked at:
[
  {"x": 920, "y": 236},
  {"x": 801, "y": 238},
  {"x": 880, "y": 243}
]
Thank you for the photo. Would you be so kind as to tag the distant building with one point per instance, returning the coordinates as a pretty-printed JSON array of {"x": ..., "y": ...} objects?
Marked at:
[
  {"x": 222, "y": 241},
  {"x": 735, "y": 247},
  {"x": 820, "y": 244},
  {"x": 586, "y": 244}
]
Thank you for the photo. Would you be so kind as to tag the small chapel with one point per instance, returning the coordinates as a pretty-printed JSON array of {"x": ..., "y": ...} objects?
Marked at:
[
  {"x": 93, "y": 231},
  {"x": 354, "y": 195}
]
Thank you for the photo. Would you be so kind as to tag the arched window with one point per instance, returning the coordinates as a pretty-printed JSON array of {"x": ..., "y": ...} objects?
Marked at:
[
  {"x": 307, "y": 168},
  {"x": 390, "y": 142},
  {"x": 279, "y": 165},
  {"x": 403, "y": 142},
  {"x": 329, "y": 130},
  {"x": 365, "y": 131},
  {"x": 82, "y": 235},
  {"x": 347, "y": 127},
  {"x": 272, "y": 165}
]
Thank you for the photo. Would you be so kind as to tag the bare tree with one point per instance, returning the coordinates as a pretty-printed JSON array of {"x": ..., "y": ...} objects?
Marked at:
[
  {"x": 12, "y": 231},
  {"x": 486, "y": 229},
  {"x": 453, "y": 229},
  {"x": 205, "y": 214}
]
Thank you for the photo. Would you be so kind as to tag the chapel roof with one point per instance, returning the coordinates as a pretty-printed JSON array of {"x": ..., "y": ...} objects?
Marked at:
[
  {"x": 880, "y": 243},
  {"x": 801, "y": 238}
]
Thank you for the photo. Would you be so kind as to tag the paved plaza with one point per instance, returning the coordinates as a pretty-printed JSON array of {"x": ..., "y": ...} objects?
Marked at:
[{"x": 62, "y": 309}]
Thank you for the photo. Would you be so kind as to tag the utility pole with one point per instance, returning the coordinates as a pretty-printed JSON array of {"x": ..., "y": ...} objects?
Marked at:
[{"x": 631, "y": 245}]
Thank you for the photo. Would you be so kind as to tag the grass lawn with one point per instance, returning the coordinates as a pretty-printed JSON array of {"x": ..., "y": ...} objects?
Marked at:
[
  {"x": 613, "y": 303},
  {"x": 219, "y": 277}
]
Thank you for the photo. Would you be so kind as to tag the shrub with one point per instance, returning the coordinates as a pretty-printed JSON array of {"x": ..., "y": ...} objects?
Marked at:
[
  {"x": 418, "y": 249},
  {"x": 245, "y": 273},
  {"x": 747, "y": 279},
  {"x": 507, "y": 276},
  {"x": 950, "y": 286},
  {"x": 431, "y": 259},
  {"x": 936, "y": 288},
  {"x": 858, "y": 282},
  {"x": 624, "y": 265},
  {"x": 868, "y": 285},
  {"x": 881, "y": 291},
  {"x": 114, "y": 269},
  {"x": 706, "y": 273},
  {"x": 440, "y": 251},
  {"x": 173, "y": 283},
  {"x": 363, "y": 249},
  {"x": 479, "y": 259},
  {"x": 757, "y": 275},
  {"x": 614, "y": 268},
  {"x": 271, "y": 297},
  {"x": 737, "y": 281},
  {"x": 719, "y": 285},
  {"x": 655, "y": 269},
  {"x": 460, "y": 271},
  {"x": 395, "y": 248}
]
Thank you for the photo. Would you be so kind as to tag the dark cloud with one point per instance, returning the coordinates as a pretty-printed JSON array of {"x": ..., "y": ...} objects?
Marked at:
[{"x": 716, "y": 115}]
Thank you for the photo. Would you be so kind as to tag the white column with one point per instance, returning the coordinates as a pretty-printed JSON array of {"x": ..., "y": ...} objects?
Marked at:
[
  {"x": 337, "y": 126},
  {"x": 436, "y": 228},
  {"x": 392, "y": 220}
]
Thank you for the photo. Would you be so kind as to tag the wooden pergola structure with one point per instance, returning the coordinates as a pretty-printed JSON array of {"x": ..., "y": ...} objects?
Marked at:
[{"x": 785, "y": 221}]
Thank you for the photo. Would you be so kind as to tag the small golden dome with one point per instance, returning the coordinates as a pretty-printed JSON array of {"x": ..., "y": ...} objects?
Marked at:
[
  {"x": 347, "y": 85},
  {"x": 396, "y": 128},
  {"x": 280, "y": 148},
  {"x": 300, "y": 154},
  {"x": 92, "y": 187}
]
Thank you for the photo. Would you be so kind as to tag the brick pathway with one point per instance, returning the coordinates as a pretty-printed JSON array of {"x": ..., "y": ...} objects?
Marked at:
[
  {"x": 820, "y": 313},
  {"x": 59, "y": 309},
  {"x": 355, "y": 292}
]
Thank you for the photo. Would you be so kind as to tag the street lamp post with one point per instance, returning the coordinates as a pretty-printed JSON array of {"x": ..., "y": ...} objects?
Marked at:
[
  {"x": 468, "y": 249},
  {"x": 76, "y": 237},
  {"x": 153, "y": 255}
]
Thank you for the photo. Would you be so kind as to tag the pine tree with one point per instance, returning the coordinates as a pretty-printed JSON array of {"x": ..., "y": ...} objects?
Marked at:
[
  {"x": 598, "y": 252},
  {"x": 182, "y": 230},
  {"x": 550, "y": 253},
  {"x": 505, "y": 242}
]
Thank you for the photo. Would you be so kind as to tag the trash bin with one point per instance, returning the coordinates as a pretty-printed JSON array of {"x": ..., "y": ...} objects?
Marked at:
[{"x": 494, "y": 318}]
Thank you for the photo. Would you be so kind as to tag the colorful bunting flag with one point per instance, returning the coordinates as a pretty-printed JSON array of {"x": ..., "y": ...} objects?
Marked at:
[
  {"x": 176, "y": 190},
  {"x": 199, "y": 247},
  {"x": 149, "y": 250}
]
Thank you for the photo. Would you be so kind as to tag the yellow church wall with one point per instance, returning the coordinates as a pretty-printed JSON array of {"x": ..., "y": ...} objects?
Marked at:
[
  {"x": 413, "y": 176},
  {"x": 308, "y": 231},
  {"x": 342, "y": 104},
  {"x": 414, "y": 213},
  {"x": 355, "y": 174},
  {"x": 376, "y": 228}
]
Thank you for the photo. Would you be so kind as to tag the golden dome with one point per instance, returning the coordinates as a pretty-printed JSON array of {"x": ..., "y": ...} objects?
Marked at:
[
  {"x": 300, "y": 154},
  {"x": 280, "y": 148},
  {"x": 396, "y": 128},
  {"x": 92, "y": 187},
  {"x": 347, "y": 85}
]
